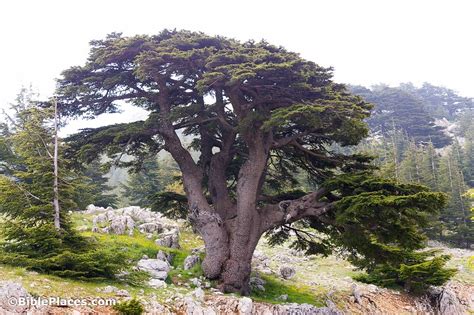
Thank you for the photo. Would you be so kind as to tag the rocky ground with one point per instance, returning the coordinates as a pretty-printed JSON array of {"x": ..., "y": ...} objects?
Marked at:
[{"x": 284, "y": 280}]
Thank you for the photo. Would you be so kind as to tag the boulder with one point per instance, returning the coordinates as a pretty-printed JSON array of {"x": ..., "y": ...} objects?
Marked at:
[
  {"x": 122, "y": 293},
  {"x": 98, "y": 219},
  {"x": 245, "y": 306},
  {"x": 310, "y": 309},
  {"x": 11, "y": 295},
  {"x": 157, "y": 283},
  {"x": 109, "y": 289},
  {"x": 157, "y": 269},
  {"x": 287, "y": 272},
  {"x": 169, "y": 239},
  {"x": 191, "y": 261},
  {"x": 257, "y": 284},
  {"x": 121, "y": 224},
  {"x": 150, "y": 227},
  {"x": 448, "y": 303},
  {"x": 165, "y": 256},
  {"x": 91, "y": 209},
  {"x": 199, "y": 294}
]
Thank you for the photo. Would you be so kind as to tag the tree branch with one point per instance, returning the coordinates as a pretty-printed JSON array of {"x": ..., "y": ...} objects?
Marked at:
[{"x": 289, "y": 211}]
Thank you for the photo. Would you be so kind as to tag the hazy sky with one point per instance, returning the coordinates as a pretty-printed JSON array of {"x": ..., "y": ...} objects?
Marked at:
[{"x": 367, "y": 42}]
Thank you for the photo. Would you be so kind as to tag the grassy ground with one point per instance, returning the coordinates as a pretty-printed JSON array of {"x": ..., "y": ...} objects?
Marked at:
[{"x": 316, "y": 277}]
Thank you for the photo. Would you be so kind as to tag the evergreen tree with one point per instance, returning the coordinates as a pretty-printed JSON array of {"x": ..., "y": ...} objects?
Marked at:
[
  {"x": 467, "y": 152},
  {"x": 92, "y": 187},
  {"x": 397, "y": 109},
  {"x": 30, "y": 237},
  {"x": 255, "y": 111},
  {"x": 153, "y": 177},
  {"x": 459, "y": 229},
  {"x": 440, "y": 102},
  {"x": 26, "y": 195}
]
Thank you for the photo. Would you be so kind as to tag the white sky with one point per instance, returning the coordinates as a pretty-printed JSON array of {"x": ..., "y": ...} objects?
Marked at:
[{"x": 367, "y": 42}]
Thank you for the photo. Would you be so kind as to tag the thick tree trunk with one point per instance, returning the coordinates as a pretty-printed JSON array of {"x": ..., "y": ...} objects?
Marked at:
[
  {"x": 229, "y": 251},
  {"x": 237, "y": 268}
]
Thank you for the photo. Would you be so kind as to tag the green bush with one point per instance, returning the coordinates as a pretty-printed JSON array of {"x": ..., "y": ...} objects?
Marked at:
[
  {"x": 91, "y": 264},
  {"x": 130, "y": 307},
  {"x": 415, "y": 277}
]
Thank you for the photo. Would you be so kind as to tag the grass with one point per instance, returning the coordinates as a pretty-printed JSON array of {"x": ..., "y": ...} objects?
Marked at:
[
  {"x": 297, "y": 293},
  {"x": 134, "y": 246}
]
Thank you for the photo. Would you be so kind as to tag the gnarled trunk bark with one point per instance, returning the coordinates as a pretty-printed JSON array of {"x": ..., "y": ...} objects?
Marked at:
[{"x": 229, "y": 251}]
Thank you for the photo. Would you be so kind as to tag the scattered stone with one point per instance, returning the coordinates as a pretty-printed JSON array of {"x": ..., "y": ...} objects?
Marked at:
[
  {"x": 257, "y": 284},
  {"x": 12, "y": 291},
  {"x": 199, "y": 294},
  {"x": 145, "y": 257},
  {"x": 245, "y": 306},
  {"x": 169, "y": 239},
  {"x": 157, "y": 269},
  {"x": 196, "y": 282},
  {"x": 287, "y": 272},
  {"x": 191, "y": 261},
  {"x": 109, "y": 289},
  {"x": 157, "y": 283},
  {"x": 122, "y": 293},
  {"x": 357, "y": 294},
  {"x": 283, "y": 297}
]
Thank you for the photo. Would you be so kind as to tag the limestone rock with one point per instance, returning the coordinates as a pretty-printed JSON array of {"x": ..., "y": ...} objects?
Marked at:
[
  {"x": 11, "y": 293},
  {"x": 157, "y": 283},
  {"x": 157, "y": 269},
  {"x": 199, "y": 294},
  {"x": 191, "y": 261},
  {"x": 287, "y": 272},
  {"x": 448, "y": 303},
  {"x": 169, "y": 239},
  {"x": 245, "y": 306},
  {"x": 150, "y": 227}
]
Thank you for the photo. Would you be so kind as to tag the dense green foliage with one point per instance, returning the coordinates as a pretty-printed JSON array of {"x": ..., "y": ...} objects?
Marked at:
[
  {"x": 130, "y": 307},
  {"x": 439, "y": 101},
  {"x": 92, "y": 188},
  {"x": 29, "y": 237},
  {"x": 449, "y": 171},
  {"x": 396, "y": 109},
  {"x": 378, "y": 225},
  {"x": 153, "y": 177}
]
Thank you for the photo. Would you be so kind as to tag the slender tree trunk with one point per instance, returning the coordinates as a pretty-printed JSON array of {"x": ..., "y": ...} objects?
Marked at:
[{"x": 57, "y": 221}]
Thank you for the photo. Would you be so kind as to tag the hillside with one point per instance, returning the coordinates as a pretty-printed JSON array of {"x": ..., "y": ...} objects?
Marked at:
[{"x": 284, "y": 280}]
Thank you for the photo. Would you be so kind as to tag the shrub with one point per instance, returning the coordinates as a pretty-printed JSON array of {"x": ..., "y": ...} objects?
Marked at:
[{"x": 130, "y": 307}]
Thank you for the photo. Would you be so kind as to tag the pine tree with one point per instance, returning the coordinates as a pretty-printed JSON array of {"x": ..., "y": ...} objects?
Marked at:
[
  {"x": 92, "y": 187},
  {"x": 26, "y": 196},
  {"x": 455, "y": 216},
  {"x": 151, "y": 179},
  {"x": 30, "y": 235},
  {"x": 398, "y": 109}
]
